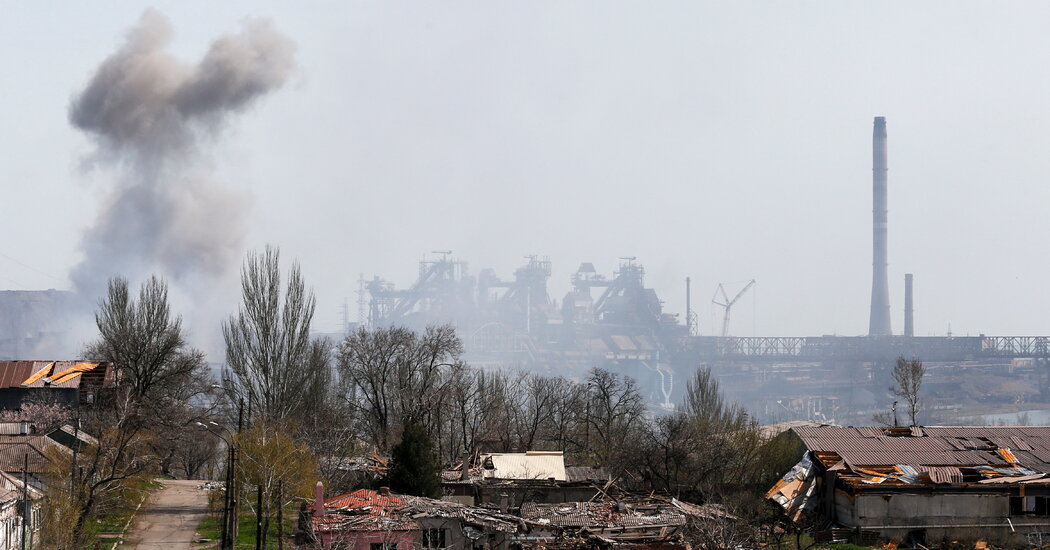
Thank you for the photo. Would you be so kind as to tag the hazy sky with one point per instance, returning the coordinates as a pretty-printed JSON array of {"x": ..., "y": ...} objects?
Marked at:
[{"x": 724, "y": 141}]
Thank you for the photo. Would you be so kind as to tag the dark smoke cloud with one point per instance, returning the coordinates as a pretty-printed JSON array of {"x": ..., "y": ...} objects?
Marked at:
[{"x": 150, "y": 116}]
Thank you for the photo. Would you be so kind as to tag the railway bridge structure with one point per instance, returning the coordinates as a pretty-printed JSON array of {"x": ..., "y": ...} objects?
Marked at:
[{"x": 807, "y": 349}]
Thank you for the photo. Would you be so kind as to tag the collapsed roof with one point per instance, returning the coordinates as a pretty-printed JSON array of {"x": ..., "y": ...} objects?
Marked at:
[
  {"x": 367, "y": 510},
  {"x": 874, "y": 458},
  {"x": 652, "y": 519}
]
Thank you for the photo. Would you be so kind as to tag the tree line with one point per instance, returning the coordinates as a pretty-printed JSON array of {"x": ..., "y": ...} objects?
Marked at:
[{"x": 314, "y": 405}]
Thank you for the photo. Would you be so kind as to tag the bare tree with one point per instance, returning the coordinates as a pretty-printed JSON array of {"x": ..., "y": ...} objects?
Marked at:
[
  {"x": 397, "y": 376},
  {"x": 615, "y": 417},
  {"x": 160, "y": 375},
  {"x": 907, "y": 375},
  {"x": 530, "y": 410},
  {"x": 144, "y": 341},
  {"x": 268, "y": 346},
  {"x": 105, "y": 474},
  {"x": 566, "y": 425}
]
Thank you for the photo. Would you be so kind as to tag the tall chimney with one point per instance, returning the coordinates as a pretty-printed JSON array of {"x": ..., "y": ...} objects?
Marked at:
[
  {"x": 909, "y": 313},
  {"x": 879, "y": 322},
  {"x": 688, "y": 309}
]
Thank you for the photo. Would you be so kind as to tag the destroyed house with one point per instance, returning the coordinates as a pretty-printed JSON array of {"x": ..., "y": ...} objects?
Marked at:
[
  {"x": 921, "y": 482},
  {"x": 632, "y": 522},
  {"x": 70, "y": 383},
  {"x": 508, "y": 480},
  {"x": 381, "y": 520}
]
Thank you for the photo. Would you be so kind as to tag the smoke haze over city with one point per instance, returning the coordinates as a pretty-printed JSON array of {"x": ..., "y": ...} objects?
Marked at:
[{"x": 721, "y": 141}]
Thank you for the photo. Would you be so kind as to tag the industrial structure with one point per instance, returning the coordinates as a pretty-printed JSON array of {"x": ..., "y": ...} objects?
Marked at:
[
  {"x": 615, "y": 322},
  {"x": 879, "y": 322}
]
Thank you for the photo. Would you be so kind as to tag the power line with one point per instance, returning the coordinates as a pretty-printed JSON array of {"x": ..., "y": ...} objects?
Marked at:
[{"x": 31, "y": 268}]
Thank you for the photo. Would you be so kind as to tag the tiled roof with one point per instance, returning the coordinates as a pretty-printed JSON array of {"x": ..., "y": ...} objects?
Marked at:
[
  {"x": 608, "y": 514},
  {"x": 367, "y": 510}
]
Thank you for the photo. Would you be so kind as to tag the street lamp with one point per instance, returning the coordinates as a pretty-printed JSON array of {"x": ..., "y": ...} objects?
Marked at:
[
  {"x": 229, "y": 508},
  {"x": 240, "y": 407}
]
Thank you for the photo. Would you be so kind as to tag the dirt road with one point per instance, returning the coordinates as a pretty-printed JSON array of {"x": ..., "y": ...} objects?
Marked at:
[{"x": 168, "y": 520}]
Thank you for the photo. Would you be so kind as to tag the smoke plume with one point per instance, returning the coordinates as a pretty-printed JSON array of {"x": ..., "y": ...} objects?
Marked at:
[{"x": 151, "y": 117}]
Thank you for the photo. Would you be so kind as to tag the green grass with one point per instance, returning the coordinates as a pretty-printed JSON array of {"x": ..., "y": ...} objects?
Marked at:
[
  {"x": 840, "y": 547},
  {"x": 210, "y": 528},
  {"x": 114, "y": 522}
]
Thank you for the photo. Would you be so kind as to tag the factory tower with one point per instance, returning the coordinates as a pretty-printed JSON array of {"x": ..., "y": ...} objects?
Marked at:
[{"x": 879, "y": 322}]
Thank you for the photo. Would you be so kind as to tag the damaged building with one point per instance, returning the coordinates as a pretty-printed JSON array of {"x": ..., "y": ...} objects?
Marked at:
[
  {"x": 370, "y": 520},
  {"x": 623, "y": 523},
  {"x": 508, "y": 480},
  {"x": 70, "y": 383},
  {"x": 919, "y": 483},
  {"x": 381, "y": 520}
]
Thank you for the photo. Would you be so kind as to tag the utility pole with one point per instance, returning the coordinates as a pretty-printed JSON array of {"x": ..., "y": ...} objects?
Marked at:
[
  {"x": 235, "y": 524},
  {"x": 227, "y": 504},
  {"x": 73, "y": 467},
  {"x": 25, "y": 499},
  {"x": 259, "y": 535},
  {"x": 280, "y": 514}
]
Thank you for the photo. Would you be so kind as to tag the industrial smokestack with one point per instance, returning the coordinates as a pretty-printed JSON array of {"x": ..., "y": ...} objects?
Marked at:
[
  {"x": 688, "y": 308},
  {"x": 909, "y": 314},
  {"x": 879, "y": 322}
]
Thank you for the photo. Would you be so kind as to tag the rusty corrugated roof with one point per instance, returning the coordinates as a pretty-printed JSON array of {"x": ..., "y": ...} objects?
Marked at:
[
  {"x": 55, "y": 374},
  {"x": 937, "y": 446},
  {"x": 13, "y": 451}
]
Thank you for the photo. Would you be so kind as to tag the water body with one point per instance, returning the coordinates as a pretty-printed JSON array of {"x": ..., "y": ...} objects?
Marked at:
[{"x": 1030, "y": 418}]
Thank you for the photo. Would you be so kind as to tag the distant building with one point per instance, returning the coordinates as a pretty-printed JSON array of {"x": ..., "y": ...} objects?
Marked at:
[{"x": 920, "y": 483}]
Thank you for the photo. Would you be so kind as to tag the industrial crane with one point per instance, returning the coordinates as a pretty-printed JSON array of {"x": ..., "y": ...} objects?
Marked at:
[{"x": 727, "y": 304}]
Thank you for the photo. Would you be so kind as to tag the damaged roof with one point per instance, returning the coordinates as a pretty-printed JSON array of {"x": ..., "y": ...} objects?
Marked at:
[
  {"x": 367, "y": 510},
  {"x": 533, "y": 466},
  {"x": 1028, "y": 446},
  {"x": 527, "y": 465},
  {"x": 601, "y": 515},
  {"x": 876, "y": 458},
  {"x": 54, "y": 374},
  {"x": 627, "y": 513}
]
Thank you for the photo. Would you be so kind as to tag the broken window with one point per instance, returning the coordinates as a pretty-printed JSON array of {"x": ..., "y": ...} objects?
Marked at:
[
  {"x": 1030, "y": 506},
  {"x": 433, "y": 538}
]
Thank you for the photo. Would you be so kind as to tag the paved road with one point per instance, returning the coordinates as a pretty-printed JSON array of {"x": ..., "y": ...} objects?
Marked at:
[{"x": 169, "y": 519}]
